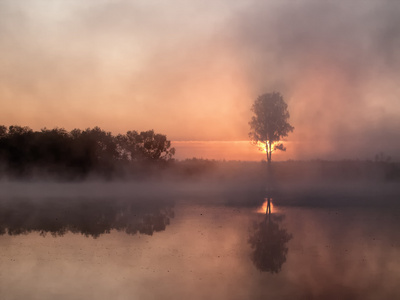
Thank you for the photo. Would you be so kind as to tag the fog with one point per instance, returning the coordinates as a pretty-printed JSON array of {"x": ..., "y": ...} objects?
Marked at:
[
  {"x": 116, "y": 217},
  {"x": 150, "y": 65},
  {"x": 234, "y": 184},
  {"x": 119, "y": 247},
  {"x": 336, "y": 62},
  {"x": 197, "y": 231}
]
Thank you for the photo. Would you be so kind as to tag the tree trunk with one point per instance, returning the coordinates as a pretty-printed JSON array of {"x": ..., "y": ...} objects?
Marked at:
[
  {"x": 269, "y": 152},
  {"x": 269, "y": 178},
  {"x": 268, "y": 211}
]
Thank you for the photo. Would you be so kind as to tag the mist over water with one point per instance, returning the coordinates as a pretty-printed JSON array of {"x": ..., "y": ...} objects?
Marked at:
[
  {"x": 201, "y": 229},
  {"x": 93, "y": 214},
  {"x": 197, "y": 248},
  {"x": 204, "y": 236}
]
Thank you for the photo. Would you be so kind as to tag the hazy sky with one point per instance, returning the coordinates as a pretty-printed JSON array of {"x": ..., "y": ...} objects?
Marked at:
[{"x": 191, "y": 69}]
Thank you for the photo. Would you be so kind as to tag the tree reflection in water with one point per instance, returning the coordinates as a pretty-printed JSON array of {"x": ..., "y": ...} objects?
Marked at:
[
  {"x": 90, "y": 217},
  {"x": 269, "y": 243}
]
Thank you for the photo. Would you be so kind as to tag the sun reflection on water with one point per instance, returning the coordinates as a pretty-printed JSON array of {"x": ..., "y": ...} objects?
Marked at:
[{"x": 263, "y": 208}]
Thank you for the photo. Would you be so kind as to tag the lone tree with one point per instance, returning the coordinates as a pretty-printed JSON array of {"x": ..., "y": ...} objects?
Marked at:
[{"x": 270, "y": 122}]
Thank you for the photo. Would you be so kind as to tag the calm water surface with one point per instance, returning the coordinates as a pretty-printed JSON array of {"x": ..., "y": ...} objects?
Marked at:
[{"x": 109, "y": 249}]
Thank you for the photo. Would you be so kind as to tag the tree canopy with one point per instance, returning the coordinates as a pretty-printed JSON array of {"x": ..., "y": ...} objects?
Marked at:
[{"x": 270, "y": 122}]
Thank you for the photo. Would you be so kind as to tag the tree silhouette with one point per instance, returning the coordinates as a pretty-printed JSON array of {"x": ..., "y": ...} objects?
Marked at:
[
  {"x": 24, "y": 152},
  {"x": 269, "y": 243},
  {"x": 270, "y": 122},
  {"x": 89, "y": 217},
  {"x": 148, "y": 145}
]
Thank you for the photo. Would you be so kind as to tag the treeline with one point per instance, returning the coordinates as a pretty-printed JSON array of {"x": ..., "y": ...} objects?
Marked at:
[{"x": 78, "y": 153}]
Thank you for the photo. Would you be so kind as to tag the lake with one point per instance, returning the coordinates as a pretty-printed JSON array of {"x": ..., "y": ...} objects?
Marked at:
[{"x": 184, "y": 248}]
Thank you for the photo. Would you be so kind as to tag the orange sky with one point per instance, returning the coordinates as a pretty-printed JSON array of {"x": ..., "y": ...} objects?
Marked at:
[
  {"x": 219, "y": 150},
  {"x": 192, "y": 69}
]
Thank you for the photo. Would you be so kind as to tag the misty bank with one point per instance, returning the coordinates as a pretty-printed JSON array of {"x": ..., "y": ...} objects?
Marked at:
[{"x": 316, "y": 183}]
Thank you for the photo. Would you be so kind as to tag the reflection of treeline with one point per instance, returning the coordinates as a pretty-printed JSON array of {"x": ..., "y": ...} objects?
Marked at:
[
  {"x": 90, "y": 217},
  {"x": 78, "y": 152}
]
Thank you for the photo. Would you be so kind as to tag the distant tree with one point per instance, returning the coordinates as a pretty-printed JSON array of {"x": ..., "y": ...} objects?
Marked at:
[
  {"x": 16, "y": 145},
  {"x": 3, "y": 131},
  {"x": 270, "y": 122},
  {"x": 3, "y": 144},
  {"x": 148, "y": 145},
  {"x": 24, "y": 152}
]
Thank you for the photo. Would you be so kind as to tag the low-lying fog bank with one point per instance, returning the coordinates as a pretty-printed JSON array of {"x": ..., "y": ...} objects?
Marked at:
[{"x": 236, "y": 183}]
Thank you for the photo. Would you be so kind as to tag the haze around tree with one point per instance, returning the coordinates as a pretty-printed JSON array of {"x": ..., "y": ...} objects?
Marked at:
[{"x": 270, "y": 122}]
